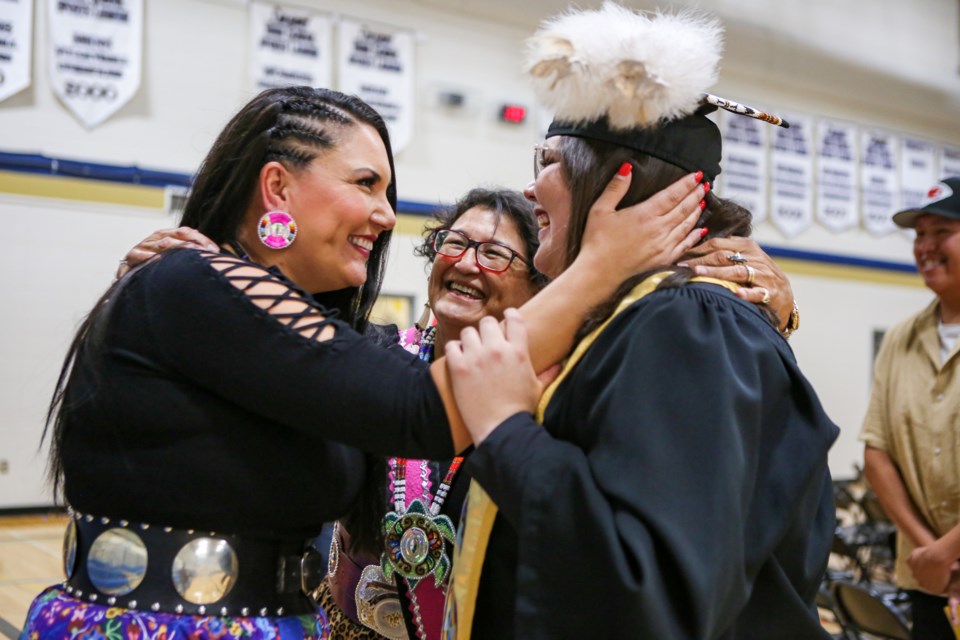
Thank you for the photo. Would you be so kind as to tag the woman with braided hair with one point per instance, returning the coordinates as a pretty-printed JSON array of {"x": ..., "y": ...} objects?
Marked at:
[{"x": 215, "y": 408}]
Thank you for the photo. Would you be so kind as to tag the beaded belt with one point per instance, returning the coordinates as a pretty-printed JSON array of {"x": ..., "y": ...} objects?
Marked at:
[{"x": 140, "y": 566}]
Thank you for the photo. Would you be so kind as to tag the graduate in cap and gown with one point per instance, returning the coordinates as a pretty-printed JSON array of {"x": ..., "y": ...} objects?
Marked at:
[{"x": 672, "y": 481}]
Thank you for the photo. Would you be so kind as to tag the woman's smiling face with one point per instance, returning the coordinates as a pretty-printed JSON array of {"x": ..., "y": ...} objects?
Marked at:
[
  {"x": 550, "y": 194},
  {"x": 340, "y": 205},
  {"x": 460, "y": 292}
]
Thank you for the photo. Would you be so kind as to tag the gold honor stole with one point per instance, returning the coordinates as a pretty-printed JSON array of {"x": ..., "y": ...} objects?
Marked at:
[{"x": 481, "y": 510}]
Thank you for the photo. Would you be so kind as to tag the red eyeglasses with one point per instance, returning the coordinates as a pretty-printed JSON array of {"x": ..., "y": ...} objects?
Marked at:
[{"x": 490, "y": 256}]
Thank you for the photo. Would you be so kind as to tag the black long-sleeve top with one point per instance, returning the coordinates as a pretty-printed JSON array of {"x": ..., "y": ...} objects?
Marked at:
[{"x": 216, "y": 402}]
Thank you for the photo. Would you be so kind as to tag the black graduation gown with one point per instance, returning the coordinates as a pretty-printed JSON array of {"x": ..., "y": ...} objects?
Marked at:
[{"x": 680, "y": 488}]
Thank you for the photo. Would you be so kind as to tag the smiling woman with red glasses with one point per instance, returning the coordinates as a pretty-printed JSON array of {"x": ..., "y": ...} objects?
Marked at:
[
  {"x": 481, "y": 266},
  {"x": 479, "y": 249}
]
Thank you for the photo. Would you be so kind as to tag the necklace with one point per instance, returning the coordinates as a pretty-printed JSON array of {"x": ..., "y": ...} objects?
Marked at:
[
  {"x": 415, "y": 537},
  {"x": 238, "y": 249},
  {"x": 414, "y": 533},
  {"x": 427, "y": 340}
]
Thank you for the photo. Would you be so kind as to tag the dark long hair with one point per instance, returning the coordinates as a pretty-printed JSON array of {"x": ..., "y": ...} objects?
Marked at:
[
  {"x": 588, "y": 165},
  {"x": 291, "y": 125},
  {"x": 503, "y": 202}
]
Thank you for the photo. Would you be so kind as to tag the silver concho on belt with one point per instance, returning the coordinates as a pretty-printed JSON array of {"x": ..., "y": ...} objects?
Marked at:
[
  {"x": 117, "y": 561},
  {"x": 378, "y": 605},
  {"x": 70, "y": 549},
  {"x": 205, "y": 570}
]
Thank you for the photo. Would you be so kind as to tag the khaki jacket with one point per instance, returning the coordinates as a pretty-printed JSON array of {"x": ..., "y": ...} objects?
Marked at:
[{"x": 914, "y": 416}]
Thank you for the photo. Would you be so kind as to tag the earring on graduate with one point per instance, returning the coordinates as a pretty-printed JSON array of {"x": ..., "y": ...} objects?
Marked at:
[{"x": 277, "y": 229}]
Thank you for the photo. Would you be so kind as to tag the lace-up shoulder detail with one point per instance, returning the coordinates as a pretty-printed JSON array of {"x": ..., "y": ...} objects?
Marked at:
[
  {"x": 288, "y": 305},
  {"x": 227, "y": 333}
]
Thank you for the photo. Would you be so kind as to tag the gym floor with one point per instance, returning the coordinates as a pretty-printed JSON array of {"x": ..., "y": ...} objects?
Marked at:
[{"x": 30, "y": 561}]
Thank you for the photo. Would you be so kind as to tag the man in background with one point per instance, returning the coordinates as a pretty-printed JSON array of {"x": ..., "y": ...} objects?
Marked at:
[{"x": 912, "y": 426}]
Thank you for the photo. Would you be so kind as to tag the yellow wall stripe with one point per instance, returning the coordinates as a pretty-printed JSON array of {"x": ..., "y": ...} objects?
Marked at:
[
  {"x": 86, "y": 190},
  {"x": 66, "y": 188},
  {"x": 410, "y": 225},
  {"x": 848, "y": 272}
]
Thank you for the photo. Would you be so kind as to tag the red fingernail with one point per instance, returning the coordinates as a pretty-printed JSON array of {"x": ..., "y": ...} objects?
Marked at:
[
  {"x": 625, "y": 169},
  {"x": 699, "y": 176},
  {"x": 706, "y": 188},
  {"x": 703, "y": 205},
  {"x": 704, "y": 231}
]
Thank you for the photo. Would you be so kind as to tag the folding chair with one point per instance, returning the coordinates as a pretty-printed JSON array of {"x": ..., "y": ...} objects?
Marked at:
[{"x": 863, "y": 611}]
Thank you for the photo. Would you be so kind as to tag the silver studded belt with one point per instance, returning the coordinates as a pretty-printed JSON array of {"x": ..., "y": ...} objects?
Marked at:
[{"x": 155, "y": 568}]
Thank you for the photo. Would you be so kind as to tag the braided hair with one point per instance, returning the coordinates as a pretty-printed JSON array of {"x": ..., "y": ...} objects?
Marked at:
[{"x": 293, "y": 126}]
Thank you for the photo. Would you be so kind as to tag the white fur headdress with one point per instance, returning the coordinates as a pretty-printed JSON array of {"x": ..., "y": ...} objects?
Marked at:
[{"x": 636, "y": 69}]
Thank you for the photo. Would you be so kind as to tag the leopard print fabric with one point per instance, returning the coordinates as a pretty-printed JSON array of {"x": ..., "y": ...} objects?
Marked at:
[{"x": 341, "y": 626}]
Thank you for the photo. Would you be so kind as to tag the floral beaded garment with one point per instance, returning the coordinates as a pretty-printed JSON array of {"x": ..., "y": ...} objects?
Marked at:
[{"x": 54, "y": 614}]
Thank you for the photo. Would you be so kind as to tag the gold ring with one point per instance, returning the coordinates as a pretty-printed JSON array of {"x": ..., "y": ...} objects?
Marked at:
[
  {"x": 766, "y": 297},
  {"x": 751, "y": 274}
]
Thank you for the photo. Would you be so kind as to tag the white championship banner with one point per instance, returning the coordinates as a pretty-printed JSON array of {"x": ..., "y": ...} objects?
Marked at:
[
  {"x": 94, "y": 54},
  {"x": 377, "y": 66},
  {"x": 791, "y": 175},
  {"x": 918, "y": 171},
  {"x": 949, "y": 162},
  {"x": 838, "y": 202},
  {"x": 289, "y": 47},
  {"x": 879, "y": 191},
  {"x": 744, "y": 177},
  {"x": 16, "y": 46}
]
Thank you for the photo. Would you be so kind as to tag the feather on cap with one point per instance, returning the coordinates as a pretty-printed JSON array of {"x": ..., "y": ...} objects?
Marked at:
[{"x": 636, "y": 69}]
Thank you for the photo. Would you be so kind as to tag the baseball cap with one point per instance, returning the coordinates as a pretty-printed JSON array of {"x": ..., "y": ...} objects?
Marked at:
[{"x": 942, "y": 199}]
